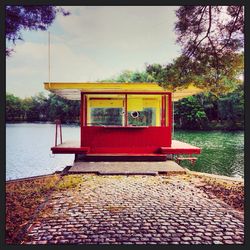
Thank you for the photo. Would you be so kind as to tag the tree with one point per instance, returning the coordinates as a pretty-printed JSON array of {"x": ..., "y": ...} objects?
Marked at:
[
  {"x": 190, "y": 114},
  {"x": 157, "y": 72},
  {"x": 28, "y": 17},
  {"x": 207, "y": 111},
  {"x": 231, "y": 108},
  {"x": 183, "y": 71},
  {"x": 131, "y": 76},
  {"x": 212, "y": 40},
  {"x": 210, "y": 31},
  {"x": 13, "y": 107},
  {"x": 65, "y": 110}
]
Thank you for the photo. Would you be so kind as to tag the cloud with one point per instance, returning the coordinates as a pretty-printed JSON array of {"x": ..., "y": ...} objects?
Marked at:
[
  {"x": 94, "y": 42},
  {"x": 67, "y": 65},
  {"x": 29, "y": 67},
  {"x": 127, "y": 29}
]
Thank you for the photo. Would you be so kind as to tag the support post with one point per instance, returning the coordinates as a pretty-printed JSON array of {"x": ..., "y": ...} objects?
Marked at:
[
  {"x": 58, "y": 124},
  {"x": 56, "y": 136}
]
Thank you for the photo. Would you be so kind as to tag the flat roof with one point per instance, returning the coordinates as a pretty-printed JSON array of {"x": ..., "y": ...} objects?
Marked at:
[{"x": 72, "y": 90}]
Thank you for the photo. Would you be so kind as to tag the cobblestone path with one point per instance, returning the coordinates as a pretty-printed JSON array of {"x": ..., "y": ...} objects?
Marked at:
[{"x": 136, "y": 210}]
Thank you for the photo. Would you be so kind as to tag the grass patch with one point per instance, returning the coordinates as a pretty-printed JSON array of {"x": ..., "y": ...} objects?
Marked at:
[
  {"x": 22, "y": 199},
  {"x": 69, "y": 181}
]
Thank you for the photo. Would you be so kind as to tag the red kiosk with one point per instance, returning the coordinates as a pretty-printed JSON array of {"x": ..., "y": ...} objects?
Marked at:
[{"x": 123, "y": 120}]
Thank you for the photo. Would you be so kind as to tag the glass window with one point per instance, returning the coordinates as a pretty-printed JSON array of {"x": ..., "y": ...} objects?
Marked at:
[
  {"x": 144, "y": 110},
  {"x": 105, "y": 111},
  {"x": 109, "y": 110},
  {"x": 145, "y": 117},
  {"x": 106, "y": 116}
]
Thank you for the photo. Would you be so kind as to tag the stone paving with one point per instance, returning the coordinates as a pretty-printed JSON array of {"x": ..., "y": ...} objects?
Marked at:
[
  {"x": 136, "y": 210},
  {"x": 124, "y": 168}
]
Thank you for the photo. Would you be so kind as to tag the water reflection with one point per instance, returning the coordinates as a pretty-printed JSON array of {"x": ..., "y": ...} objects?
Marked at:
[
  {"x": 222, "y": 152},
  {"x": 28, "y": 149}
]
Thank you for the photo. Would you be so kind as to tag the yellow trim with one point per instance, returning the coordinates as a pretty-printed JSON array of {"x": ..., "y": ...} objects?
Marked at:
[
  {"x": 72, "y": 90},
  {"x": 94, "y": 86},
  {"x": 115, "y": 103}
]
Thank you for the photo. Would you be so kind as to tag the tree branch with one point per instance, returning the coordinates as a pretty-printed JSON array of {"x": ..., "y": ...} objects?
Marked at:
[
  {"x": 208, "y": 31},
  {"x": 216, "y": 58},
  {"x": 206, "y": 36},
  {"x": 231, "y": 31},
  {"x": 202, "y": 14}
]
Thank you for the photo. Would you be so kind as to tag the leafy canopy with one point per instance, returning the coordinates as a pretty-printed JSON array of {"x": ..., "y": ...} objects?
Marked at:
[
  {"x": 28, "y": 17},
  {"x": 130, "y": 76},
  {"x": 183, "y": 71},
  {"x": 210, "y": 30},
  {"x": 212, "y": 39}
]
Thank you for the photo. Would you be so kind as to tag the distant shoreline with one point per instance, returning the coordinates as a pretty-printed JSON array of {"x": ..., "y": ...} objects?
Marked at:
[{"x": 78, "y": 124}]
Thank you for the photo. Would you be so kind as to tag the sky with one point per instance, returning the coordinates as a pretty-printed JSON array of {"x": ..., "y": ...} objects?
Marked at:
[{"x": 93, "y": 43}]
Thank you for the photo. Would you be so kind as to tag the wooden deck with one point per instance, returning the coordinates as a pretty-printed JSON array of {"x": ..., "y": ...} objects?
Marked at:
[
  {"x": 69, "y": 147},
  {"x": 69, "y": 144},
  {"x": 177, "y": 147}
]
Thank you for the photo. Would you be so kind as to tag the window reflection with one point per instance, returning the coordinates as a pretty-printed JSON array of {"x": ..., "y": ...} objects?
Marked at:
[{"x": 109, "y": 110}]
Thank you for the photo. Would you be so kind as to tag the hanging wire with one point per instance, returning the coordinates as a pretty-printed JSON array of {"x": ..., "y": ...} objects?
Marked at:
[{"x": 49, "y": 57}]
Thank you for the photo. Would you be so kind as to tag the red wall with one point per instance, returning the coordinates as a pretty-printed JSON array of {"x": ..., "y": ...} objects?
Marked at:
[
  {"x": 133, "y": 140},
  {"x": 125, "y": 140}
]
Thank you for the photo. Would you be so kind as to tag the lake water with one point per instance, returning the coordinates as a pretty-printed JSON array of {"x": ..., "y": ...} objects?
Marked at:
[
  {"x": 222, "y": 152},
  {"x": 28, "y": 150}
]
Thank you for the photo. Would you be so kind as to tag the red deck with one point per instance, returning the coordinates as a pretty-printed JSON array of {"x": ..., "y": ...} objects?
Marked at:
[{"x": 177, "y": 147}]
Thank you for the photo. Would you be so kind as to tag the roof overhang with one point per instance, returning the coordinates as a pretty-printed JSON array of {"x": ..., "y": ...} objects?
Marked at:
[{"x": 72, "y": 90}]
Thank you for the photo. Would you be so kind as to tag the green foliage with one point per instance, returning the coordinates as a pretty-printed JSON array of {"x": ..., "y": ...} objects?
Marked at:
[
  {"x": 183, "y": 71},
  {"x": 69, "y": 181},
  {"x": 190, "y": 113},
  {"x": 131, "y": 76},
  {"x": 41, "y": 108},
  {"x": 231, "y": 109},
  {"x": 35, "y": 108},
  {"x": 214, "y": 29},
  {"x": 208, "y": 111},
  {"x": 13, "y": 107},
  {"x": 212, "y": 41},
  {"x": 203, "y": 111},
  {"x": 157, "y": 72}
]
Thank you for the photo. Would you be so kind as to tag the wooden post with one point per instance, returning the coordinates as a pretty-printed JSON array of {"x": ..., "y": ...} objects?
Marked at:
[
  {"x": 56, "y": 134},
  {"x": 58, "y": 124}
]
